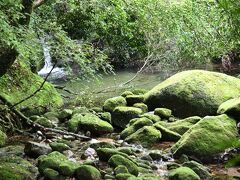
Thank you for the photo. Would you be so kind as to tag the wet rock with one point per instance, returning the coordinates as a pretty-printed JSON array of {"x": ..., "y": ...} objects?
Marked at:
[
  {"x": 51, "y": 174},
  {"x": 138, "y": 123},
  {"x": 110, "y": 104},
  {"x": 105, "y": 154},
  {"x": 106, "y": 116},
  {"x": 211, "y": 135},
  {"x": 183, "y": 173},
  {"x": 60, "y": 147},
  {"x": 120, "y": 169},
  {"x": 154, "y": 118},
  {"x": 14, "y": 167},
  {"x": 122, "y": 115},
  {"x": 163, "y": 112},
  {"x": 117, "y": 160},
  {"x": 230, "y": 107},
  {"x": 202, "y": 171},
  {"x": 133, "y": 99},
  {"x": 141, "y": 106},
  {"x": 193, "y": 92},
  {"x": 90, "y": 152},
  {"x": 126, "y": 93},
  {"x": 158, "y": 155},
  {"x": 147, "y": 136},
  {"x": 87, "y": 172},
  {"x": 34, "y": 149},
  {"x": 3, "y": 138},
  {"x": 180, "y": 126},
  {"x": 167, "y": 135}
]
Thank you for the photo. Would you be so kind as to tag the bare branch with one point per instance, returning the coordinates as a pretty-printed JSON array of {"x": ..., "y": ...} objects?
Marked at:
[{"x": 38, "y": 3}]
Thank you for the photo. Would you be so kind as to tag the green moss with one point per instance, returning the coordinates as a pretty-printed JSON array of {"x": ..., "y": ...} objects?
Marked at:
[
  {"x": 3, "y": 138},
  {"x": 87, "y": 172},
  {"x": 133, "y": 99},
  {"x": 106, "y": 116},
  {"x": 152, "y": 117},
  {"x": 44, "y": 122},
  {"x": 147, "y": 136},
  {"x": 139, "y": 91},
  {"x": 51, "y": 174},
  {"x": 122, "y": 115},
  {"x": 20, "y": 82},
  {"x": 60, "y": 147},
  {"x": 117, "y": 160},
  {"x": 120, "y": 169},
  {"x": 74, "y": 122},
  {"x": 141, "y": 106},
  {"x": 167, "y": 135},
  {"x": 139, "y": 123},
  {"x": 194, "y": 92},
  {"x": 104, "y": 154},
  {"x": 202, "y": 171},
  {"x": 180, "y": 126},
  {"x": 163, "y": 112},
  {"x": 211, "y": 135},
  {"x": 110, "y": 104},
  {"x": 124, "y": 176},
  {"x": 126, "y": 93},
  {"x": 102, "y": 145},
  {"x": 183, "y": 173},
  {"x": 230, "y": 107}
]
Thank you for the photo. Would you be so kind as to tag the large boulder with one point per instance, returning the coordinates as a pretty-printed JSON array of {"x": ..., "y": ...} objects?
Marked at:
[
  {"x": 183, "y": 173},
  {"x": 230, "y": 107},
  {"x": 210, "y": 136},
  {"x": 194, "y": 92},
  {"x": 112, "y": 103},
  {"x": 87, "y": 172}
]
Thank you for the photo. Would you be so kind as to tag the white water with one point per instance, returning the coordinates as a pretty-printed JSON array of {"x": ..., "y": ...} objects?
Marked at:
[{"x": 57, "y": 72}]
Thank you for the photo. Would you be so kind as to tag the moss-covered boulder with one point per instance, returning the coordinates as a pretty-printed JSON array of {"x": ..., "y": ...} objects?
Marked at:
[
  {"x": 230, "y": 107},
  {"x": 122, "y": 115},
  {"x": 141, "y": 106},
  {"x": 133, "y": 99},
  {"x": 14, "y": 167},
  {"x": 139, "y": 123},
  {"x": 65, "y": 114},
  {"x": 51, "y": 174},
  {"x": 147, "y": 136},
  {"x": 106, "y": 116},
  {"x": 89, "y": 122},
  {"x": 20, "y": 82},
  {"x": 105, "y": 154},
  {"x": 58, "y": 162},
  {"x": 211, "y": 135},
  {"x": 194, "y": 92},
  {"x": 3, "y": 138},
  {"x": 124, "y": 176},
  {"x": 202, "y": 171},
  {"x": 120, "y": 169},
  {"x": 167, "y": 135},
  {"x": 44, "y": 122},
  {"x": 110, "y": 104},
  {"x": 154, "y": 118},
  {"x": 163, "y": 112},
  {"x": 60, "y": 147},
  {"x": 180, "y": 126},
  {"x": 117, "y": 160},
  {"x": 183, "y": 173},
  {"x": 126, "y": 93},
  {"x": 102, "y": 144},
  {"x": 87, "y": 172}
]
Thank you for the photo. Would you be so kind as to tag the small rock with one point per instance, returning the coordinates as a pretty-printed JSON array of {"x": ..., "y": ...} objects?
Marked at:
[
  {"x": 60, "y": 147},
  {"x": 163, "y": 112},
  {"x": 34, "y": 149}
]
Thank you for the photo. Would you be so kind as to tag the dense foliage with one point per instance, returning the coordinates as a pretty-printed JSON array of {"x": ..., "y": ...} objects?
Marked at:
[{"x": 92, "y": 33}]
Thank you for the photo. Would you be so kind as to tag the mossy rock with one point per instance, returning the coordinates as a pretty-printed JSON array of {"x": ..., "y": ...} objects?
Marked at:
[
  {"x": 20, "y": 82},
  {"x": 202, "y": 171},
  {"x": 124, "y": 176},
  {"x": 133, "y": 99},
  {"x": 152, "y": 117},
  {"x": 122, "y": 115},
  {"x": 163, "y": 112},
  {"x": 183, "y": 173},
  {"x": 231, "y": 108},
  {"x": 51, "y": 174},
  {"x": 193, "y": 92},
  {"x": 141, "y": 106},
  {"x": 105, "y": 154},
  {"x": 117, "y": 160},
  {"x": 126, "y": 93},
  {"x": 44, "y": 122},
  {"x": 65, "y": 114},
  {"x": 120, "y": 169},
  {"x": 52, "y": 116},
  {"x": 81, "y": 110},
  {"x": 58, "y": 162},
  {"x": 102, "y": 145},
  {"x": 3, "y": 138},
  {"x": 106, "y": 116},
  {"x": 14, "y": 167},
  {"x": 180, "y": 126},
  {"x": 87, "y": 172},
  {"x": 74, "y": 122},
  {"x": 167, "y": 135},
  {"x": 60, "y": 147},
  {"x": 139, "y": 91},
  {"x": 147, "y": 136},
  {"x": 210, "y": 136},
  {"x": 139, "y": 123},
  {"x": 110, "y": 104}
]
